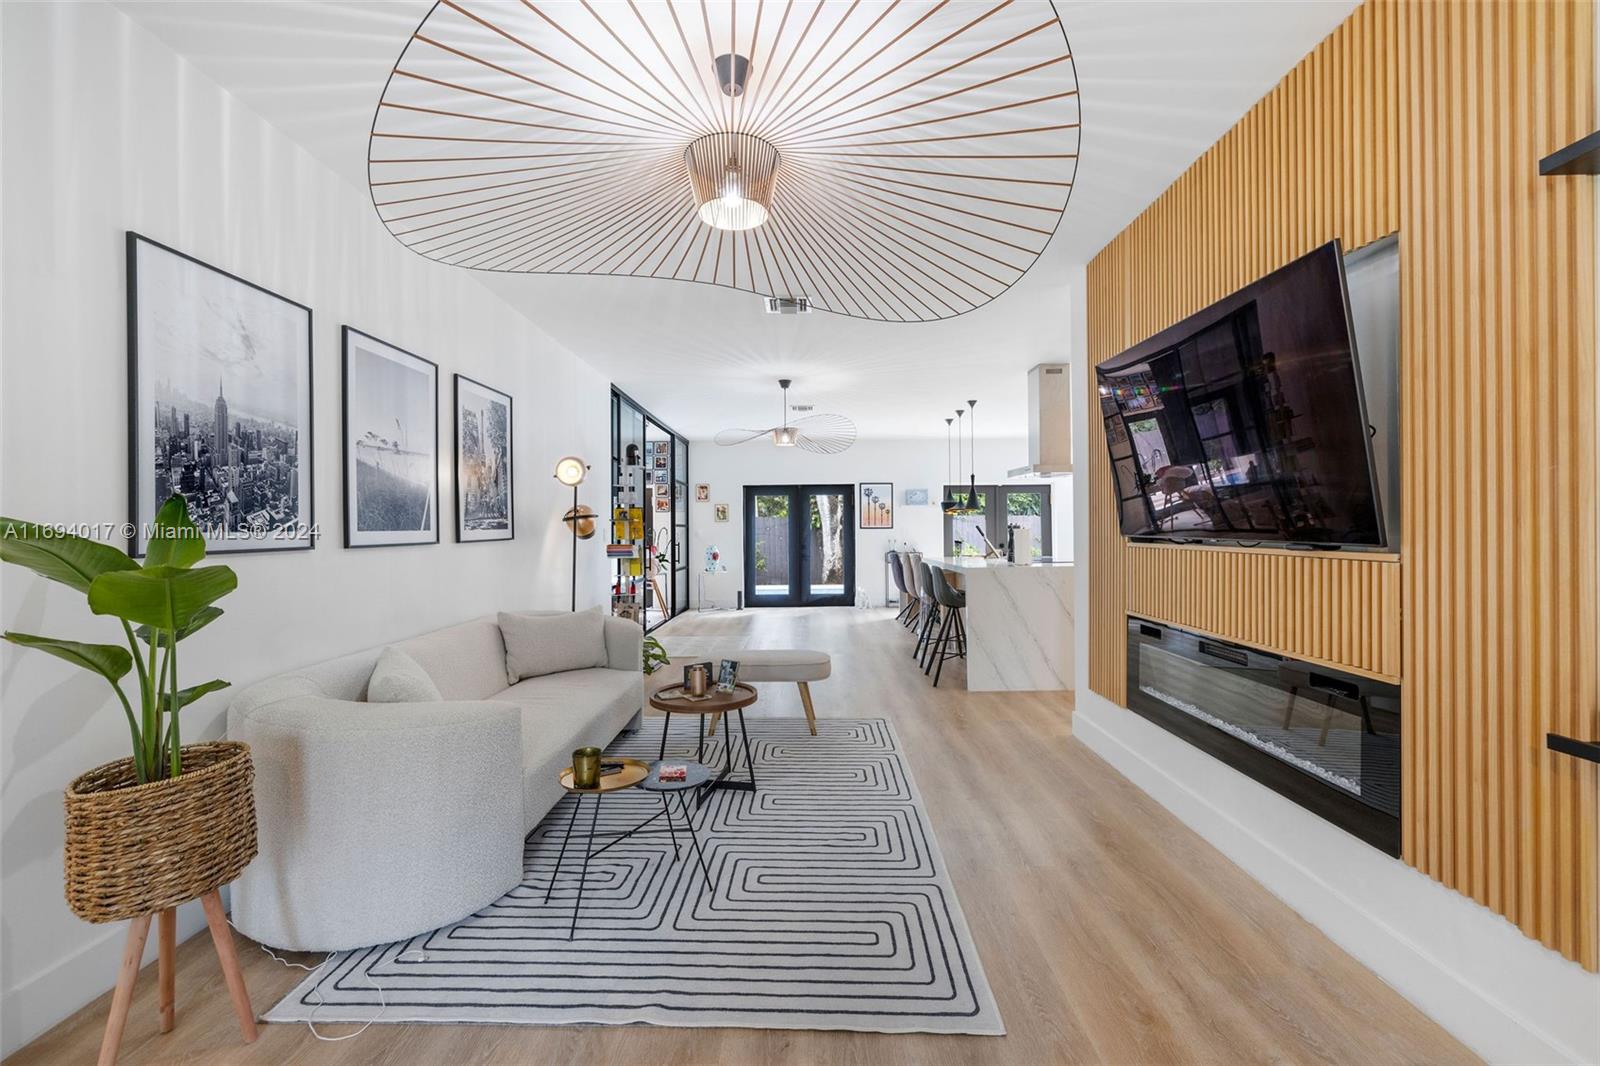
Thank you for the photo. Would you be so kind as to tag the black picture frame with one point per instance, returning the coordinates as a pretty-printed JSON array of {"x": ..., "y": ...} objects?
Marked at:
[
  {"x": 462, "y": 536},
  {"x": 350, "y": 497},
  {"x": 305, "y": 454},
  {"x": 869, "y": 515}
]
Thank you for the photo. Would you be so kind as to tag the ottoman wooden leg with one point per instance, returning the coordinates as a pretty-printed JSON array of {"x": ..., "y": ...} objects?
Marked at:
[{"x": 811, "y": 712}]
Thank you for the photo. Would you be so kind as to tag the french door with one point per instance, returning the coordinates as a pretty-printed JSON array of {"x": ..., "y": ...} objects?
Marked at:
[{"x": 799, "y": 545}]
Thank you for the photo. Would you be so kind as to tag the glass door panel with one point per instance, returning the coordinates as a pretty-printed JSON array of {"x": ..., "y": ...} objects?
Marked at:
[
  {"x": 769, "y": 547},
  {"x": 1029, "y": 508},
  {"x": 827, "y": 550}
]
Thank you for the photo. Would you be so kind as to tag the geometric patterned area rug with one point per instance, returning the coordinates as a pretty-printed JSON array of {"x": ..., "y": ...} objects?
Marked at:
[{"x": 831, "y": 909}]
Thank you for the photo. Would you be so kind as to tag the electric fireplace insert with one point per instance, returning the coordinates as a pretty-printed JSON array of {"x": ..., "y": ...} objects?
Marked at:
[{"x": 1326, "y": 739}]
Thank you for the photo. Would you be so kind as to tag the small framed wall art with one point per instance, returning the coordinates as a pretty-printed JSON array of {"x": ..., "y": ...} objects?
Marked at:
[
  {"x": 916, "y": 497},
  {"x": 702, "y": 493},
  {"x": 720, "y": 512},
  {"x": 875, "y": 504}
]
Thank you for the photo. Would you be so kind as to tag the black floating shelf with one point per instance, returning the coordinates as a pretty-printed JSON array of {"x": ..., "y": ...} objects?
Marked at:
[{"x": 1580, "y": 157}]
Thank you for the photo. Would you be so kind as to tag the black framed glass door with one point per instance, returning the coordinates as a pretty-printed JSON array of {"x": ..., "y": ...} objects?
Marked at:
[
  {"x": 799, "y": 545},
  {"x": 649, "y": 527}
]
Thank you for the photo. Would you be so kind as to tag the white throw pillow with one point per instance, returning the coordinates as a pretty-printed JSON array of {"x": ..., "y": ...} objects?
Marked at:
[
  {"x": 398, "y": 678},
  {"x": 539, "y": 644}
]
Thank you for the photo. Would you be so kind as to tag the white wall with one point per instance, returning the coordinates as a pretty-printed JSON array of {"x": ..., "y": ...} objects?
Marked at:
[
  {"x": 1507, "y": 997},
  {"x": 105, "y": 129},
  {"x": 909, "y": 464}
]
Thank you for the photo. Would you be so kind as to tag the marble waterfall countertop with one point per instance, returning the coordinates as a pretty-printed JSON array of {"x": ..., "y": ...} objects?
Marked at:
[{"x": 1019, "y": 623}]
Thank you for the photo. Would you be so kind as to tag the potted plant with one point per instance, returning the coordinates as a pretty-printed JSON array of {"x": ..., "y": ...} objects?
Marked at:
[
  {"x": 655, "y": 656},
  {"x": 171, "y": 822}
]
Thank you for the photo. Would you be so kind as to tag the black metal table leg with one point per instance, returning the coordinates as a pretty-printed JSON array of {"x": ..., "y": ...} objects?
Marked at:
[
  {"x": 749, "y": 763},
  {"x": 668, "y": 811},
  {"x": 694, "y": 838},
  {"x": 666, "y": 727},
  {"x": 584, "y": 876},
  {"x": 563, "y": 854}
]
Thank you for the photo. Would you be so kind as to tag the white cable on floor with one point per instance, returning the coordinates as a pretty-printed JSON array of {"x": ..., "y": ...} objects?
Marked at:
[{"x": 315, "y": 971}]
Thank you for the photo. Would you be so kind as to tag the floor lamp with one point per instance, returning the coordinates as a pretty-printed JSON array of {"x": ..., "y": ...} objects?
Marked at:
[{"x": 570, "y": 470}]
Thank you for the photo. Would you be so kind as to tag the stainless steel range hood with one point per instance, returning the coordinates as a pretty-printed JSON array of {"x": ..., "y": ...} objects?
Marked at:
[{"x": 1049, "y": 422}]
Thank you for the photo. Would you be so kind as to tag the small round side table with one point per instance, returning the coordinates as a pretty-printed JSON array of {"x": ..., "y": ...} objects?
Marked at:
[
  {"x": 673, "y": 700},
  {"x": 632, "y": 773},
  {"x": 695, "y": 776}
]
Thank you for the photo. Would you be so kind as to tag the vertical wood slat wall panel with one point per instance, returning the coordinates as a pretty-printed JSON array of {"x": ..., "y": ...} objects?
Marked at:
[
  {"x": 1218, "y": 591},
  {"x": 1427, "y": 119}
]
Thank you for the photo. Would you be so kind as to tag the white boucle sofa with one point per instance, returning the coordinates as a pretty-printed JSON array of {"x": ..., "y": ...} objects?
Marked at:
[{"x": 380, "y": 821}]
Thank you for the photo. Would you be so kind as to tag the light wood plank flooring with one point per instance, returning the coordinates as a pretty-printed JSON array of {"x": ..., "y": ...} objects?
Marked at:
[{"x": 1110, "y": 932}]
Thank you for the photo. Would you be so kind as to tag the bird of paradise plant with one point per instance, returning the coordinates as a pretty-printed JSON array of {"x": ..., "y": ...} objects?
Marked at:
[{"x": 159, "y": 604}]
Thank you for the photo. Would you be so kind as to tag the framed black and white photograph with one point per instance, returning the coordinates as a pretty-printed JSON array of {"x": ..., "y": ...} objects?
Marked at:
[
  {"x": 391, "y": 444},
  {"x": 875, "y": 504},
  {"x": 483, "y": 462},
  {"x": 219, "y": 395}
]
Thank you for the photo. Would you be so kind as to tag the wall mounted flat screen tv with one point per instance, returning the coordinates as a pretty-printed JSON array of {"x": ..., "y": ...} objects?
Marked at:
[{"x": 1245, "y": 423}]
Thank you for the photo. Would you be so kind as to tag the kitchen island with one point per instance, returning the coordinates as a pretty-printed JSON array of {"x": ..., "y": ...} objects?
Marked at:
[{"x": 1018, "y": 620}]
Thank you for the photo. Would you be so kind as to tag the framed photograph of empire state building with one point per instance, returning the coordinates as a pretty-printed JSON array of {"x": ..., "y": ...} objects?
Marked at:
[
  {"x": 484, "y": 507},
  {"x": 219, "y": 387}
]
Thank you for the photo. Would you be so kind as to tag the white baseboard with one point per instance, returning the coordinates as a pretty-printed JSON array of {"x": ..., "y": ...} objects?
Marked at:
[
  {"x": 33, "y": 1007},
  {"x": 1505, "y": 996}
]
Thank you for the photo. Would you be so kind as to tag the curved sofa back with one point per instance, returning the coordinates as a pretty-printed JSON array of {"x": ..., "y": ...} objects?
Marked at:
[{"x": 466, "y": 661}]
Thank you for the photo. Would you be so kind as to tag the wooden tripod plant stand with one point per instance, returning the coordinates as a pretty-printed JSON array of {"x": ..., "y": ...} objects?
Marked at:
[{"x": 133, "y": 954}]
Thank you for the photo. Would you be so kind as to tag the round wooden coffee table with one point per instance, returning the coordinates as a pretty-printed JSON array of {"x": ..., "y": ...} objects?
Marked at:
[{"x": 672, "y": 700}]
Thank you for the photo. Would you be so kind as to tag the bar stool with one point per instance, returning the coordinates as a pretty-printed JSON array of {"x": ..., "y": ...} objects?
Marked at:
[
  {"x": 898, "y": 575},
  {"x": 928, "y": 613},
  {"x": 908, "y": 563},
  {"x": 953, "y": 601}
]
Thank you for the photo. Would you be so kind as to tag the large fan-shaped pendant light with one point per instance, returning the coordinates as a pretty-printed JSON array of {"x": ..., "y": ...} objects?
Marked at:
[
  {"x": 825, "y": 434},
  {"x": 893, "y": 161}
]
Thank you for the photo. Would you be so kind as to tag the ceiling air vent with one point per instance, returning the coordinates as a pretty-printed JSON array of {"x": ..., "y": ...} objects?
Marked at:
[{"x": 788, "y": 305}]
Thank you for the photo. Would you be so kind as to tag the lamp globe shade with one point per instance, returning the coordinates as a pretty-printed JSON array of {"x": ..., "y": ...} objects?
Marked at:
[{"x": 570, "y": 470}]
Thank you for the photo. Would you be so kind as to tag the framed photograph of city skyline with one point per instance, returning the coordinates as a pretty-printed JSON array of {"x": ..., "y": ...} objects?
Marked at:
[
  {"x": 483, "y": 462},
  {"x": 219, "y": 403},
  {"x": 876, "y": 505},
  {"x": 391, "y": 444}
]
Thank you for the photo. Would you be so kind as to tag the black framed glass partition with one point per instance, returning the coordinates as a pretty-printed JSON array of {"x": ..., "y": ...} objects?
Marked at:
[
  {"x": 648, "y": 528},
  {"x": 999, "y": 506}
]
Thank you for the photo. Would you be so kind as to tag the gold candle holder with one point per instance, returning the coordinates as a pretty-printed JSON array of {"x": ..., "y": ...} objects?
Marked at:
[
  {"x": 586, "y": 768},
  {"x": 699, "y": 678}
]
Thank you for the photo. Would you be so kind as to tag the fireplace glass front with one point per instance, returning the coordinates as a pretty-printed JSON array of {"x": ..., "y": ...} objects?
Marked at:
[{"x": 1329, "y": 740}]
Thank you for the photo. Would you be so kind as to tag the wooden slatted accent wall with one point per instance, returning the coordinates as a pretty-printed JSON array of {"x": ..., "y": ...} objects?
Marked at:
[
  {"x": 1277, "y": 600},
  {"x": 1427, "y": 119}
]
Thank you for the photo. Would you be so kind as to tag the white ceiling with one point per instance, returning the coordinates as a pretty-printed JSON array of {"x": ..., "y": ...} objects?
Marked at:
[{"x": 1160, "y": 82}]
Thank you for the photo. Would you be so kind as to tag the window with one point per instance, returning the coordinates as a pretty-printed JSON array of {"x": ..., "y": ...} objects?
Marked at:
[{"x": 999, "y": 506}]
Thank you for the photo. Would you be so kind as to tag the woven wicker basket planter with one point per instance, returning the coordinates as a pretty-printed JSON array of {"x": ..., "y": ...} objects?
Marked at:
[{"x": 133, "y": 849}]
